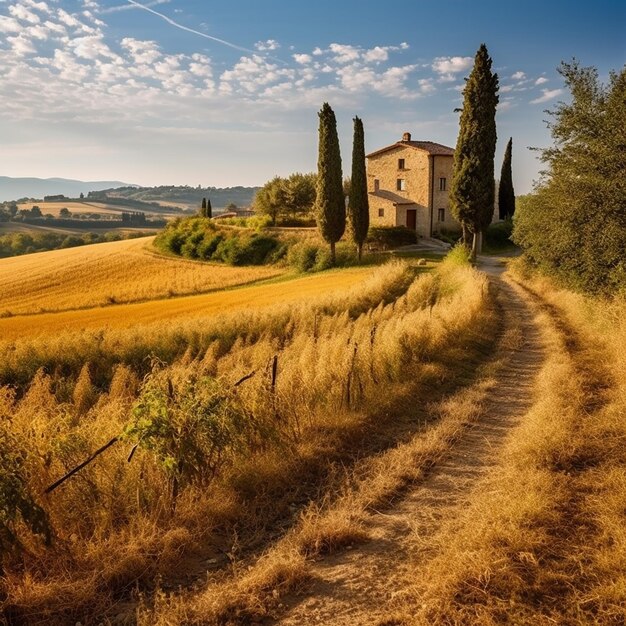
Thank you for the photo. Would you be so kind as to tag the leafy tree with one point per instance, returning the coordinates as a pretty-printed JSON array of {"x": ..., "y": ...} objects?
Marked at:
[
  {"x": 209, "y": 209},
  {"x": 286, "y": 197},
  {"x": 65, "y": 213},
  {"x": 82, "y": 195},
  {"x": 506, "y": 193},
  {"x": 330, "y": 206},
  {"x": 270, "y": 198},
  {"x": 574, "y": 225},
  {"x": 36, "y": 212},
  {"x": 300, "y": 193},
  {"x": 231, "y": 206},
  {"x": 358, "y": 202},
  {"x": 203, "y": 208},
  {"x": 472, "y": 191}
]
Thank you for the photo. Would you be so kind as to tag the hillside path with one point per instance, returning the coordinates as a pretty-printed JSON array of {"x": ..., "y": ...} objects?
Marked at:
[{"x": 356, "y": 587}]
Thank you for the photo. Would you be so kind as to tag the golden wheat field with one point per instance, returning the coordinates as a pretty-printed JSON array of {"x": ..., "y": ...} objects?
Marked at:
[
  {"x": 108, "y": 273},
  {"x": 183, "y": 308}
]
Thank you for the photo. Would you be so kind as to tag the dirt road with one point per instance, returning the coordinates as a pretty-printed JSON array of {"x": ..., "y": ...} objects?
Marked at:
[{"x": 358, "y": 585}]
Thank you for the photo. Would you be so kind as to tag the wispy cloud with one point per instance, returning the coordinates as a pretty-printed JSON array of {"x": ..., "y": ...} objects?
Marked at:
[
  {"x": 541, "y": 80},
  {"x": 548, "y": 94}
]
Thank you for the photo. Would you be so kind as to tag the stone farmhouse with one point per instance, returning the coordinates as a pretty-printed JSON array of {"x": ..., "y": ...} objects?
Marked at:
[{"x": 408, "y": 184}]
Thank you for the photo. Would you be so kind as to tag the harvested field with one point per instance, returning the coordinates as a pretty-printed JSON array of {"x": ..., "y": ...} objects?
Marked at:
[{"x": 109, "y": 273}]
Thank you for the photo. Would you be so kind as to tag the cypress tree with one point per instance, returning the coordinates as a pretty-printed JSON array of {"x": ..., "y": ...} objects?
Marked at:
[
  {"x": 472, "y": 192},
  {"x": 203, "y": 208},
  {"x": 358, "y": 202},
  {"x": 506, "y": 193},
  {"x": 209, "y": 209},
  {"x": 330, "y": 205}
]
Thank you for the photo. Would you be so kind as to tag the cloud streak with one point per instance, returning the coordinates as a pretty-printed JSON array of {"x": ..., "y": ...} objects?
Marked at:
[
  {"x": 127, "y": 7},
  {"x": 187, "y": 29}
]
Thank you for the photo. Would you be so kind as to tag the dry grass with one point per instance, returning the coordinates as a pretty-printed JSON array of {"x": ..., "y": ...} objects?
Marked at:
[
  {"x": 108, "y": 273},
  {"x": 337, "y": 518},
  {"x": 113, "y": 523},
  {"x": 543, "y": 540}
]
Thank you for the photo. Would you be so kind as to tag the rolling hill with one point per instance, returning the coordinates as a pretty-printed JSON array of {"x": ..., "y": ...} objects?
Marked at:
[{"x": 15, "y": 188}]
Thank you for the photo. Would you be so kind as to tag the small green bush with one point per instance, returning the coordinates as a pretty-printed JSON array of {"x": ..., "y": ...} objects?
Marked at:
[
  {"x": 449, "y": 236},
  {"x": 391, "y": 236},
  {"x": 498, "y": 235},
  {"x": 208, "y": 246},
  {"x": 302, "y": 256}
]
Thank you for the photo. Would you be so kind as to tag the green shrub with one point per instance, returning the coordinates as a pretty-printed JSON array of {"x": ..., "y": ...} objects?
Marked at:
[
  {"x": 391, "y": 236},
  {"x": 449, "y": 236},
  {"x": 498, "y": 235},
  {"x": 302, "y": 256},
  {"x": 208, "y": 246},
  {"x": 192, "y": 427}
]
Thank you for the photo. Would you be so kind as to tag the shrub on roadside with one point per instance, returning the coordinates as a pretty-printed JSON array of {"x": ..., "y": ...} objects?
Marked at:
[{"x": 498, "y": 235}]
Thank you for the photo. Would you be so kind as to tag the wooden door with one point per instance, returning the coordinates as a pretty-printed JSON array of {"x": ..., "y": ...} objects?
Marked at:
[{"x": 411, "y": 219}]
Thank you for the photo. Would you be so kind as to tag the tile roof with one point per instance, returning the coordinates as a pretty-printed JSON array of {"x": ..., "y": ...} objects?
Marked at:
[
  {"x": 392, "y": 197},
  {"x": 436, "y": 149}
]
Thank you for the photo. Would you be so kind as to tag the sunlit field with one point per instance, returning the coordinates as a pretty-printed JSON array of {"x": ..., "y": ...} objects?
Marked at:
[
  {"x": 73, "y": 392},
  {"x": 185, "y": 308},
  {"x": 109, "y": 273}
]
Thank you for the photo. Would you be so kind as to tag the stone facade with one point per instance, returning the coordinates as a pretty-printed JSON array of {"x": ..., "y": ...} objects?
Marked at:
[{"x": 408, "y": 184}]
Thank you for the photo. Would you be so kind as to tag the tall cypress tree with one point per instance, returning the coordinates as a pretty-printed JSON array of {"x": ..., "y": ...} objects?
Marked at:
[
  {"x": 472, "y": 192},
  {"x": 506, "y": 193},
  {"x": 209, "y": 209},
  {"x": 330, "y": 206},
  {"x": 358, "y": 202},
  {"x": 203, "y": 208}
]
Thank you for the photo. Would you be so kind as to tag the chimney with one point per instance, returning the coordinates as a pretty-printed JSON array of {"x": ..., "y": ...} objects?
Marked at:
[{"x": 406, "y": 137}]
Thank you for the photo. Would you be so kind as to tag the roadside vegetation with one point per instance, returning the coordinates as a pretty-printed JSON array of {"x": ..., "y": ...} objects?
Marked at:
[
  {"x": 224, "y": 431},
  {"x": 542, "y": 540}
]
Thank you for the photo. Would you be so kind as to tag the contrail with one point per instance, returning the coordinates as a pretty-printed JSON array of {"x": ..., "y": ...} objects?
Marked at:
[
  {"x": 190, "y": 30},
  {"x": 127, "y": 7}
]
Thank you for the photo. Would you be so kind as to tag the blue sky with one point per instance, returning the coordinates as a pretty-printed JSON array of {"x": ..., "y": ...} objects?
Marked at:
[{"x": 226, "y": 93}]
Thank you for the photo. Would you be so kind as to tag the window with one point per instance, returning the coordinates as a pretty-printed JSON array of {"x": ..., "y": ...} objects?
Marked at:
[
  {"x": 441, "y": 214},
  {"x": 401, "y": 184},
  {"x": 442, "y": 184},
  {"x": 376, "y": 184},
  {"x": 381, "y": 212},
  {"x": 400, "y": 164}
]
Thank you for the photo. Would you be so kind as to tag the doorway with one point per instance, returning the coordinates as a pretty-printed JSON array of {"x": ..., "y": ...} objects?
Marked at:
[{"x": 411, "y": 219}]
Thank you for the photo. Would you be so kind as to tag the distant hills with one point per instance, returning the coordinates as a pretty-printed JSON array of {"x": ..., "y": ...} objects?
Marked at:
[
  {"x": 15, "y": 188},
  {"x": 183, "y": 196}
]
